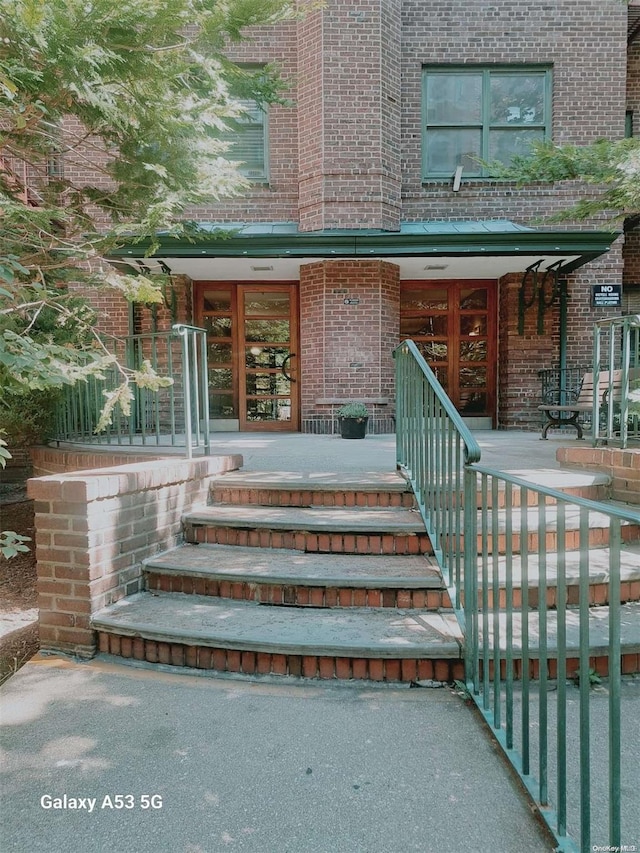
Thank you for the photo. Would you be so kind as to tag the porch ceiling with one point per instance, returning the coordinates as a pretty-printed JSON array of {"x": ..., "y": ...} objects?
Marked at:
[{"x": 422, "y": 250}]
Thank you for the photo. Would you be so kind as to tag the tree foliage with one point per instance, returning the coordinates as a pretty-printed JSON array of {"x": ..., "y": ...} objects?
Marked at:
[
  {"x": 112, "y": 122},
  {"x": 612, "y": 168}
]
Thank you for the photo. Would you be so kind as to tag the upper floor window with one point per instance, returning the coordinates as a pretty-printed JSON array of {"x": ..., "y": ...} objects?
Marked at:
[
  {"x": 473, "y": 114},
  {"x": 248, "y": 137}
]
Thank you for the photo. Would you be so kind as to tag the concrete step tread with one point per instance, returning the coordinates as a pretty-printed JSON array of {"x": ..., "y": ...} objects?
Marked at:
[
  {"x": 245, "y": 626},
  {"x": 598, "y": 564},
  {"x": 283, "y": 566},
  {"x": 552, "y": 478},
  {"x": 367, "y": 481},
  {"x": 598, "y": 630},
  {"x": 572, "y": 516},
  {"x": 335, "y": 519}
]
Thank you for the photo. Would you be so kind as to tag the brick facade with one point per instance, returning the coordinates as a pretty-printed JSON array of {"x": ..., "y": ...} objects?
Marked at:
[{"x": 347, "y": 153}]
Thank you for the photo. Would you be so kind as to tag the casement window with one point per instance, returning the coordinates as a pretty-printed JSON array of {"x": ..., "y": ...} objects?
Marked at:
[
  {"x": 248, "y": 137},
  {"x": 473, "y": 114}
]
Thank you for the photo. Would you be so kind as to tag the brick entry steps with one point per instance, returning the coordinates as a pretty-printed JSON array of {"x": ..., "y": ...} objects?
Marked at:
[{"x": 330, "y": 579}]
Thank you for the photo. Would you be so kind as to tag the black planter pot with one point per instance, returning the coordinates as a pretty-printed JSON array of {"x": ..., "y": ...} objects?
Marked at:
[{"x": 353, "y": 427}]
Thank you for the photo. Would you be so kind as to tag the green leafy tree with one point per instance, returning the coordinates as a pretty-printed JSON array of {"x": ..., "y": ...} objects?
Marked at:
[
  {"x": 612, "y": 168},
  {"x": 136, "y": 96}
]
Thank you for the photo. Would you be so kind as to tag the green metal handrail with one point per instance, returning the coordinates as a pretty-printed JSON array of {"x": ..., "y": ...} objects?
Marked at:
[
  {"x": 616, "y": 350},
  {"x": 509, "y": 643},
  {"x": 433, "y": 445},
  {"x": 492, "y": 534},
  {"x": 175, "y": 416}
]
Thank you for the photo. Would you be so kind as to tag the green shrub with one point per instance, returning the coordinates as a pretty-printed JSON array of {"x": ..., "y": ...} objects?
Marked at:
[{"x": 353, "y": 410}]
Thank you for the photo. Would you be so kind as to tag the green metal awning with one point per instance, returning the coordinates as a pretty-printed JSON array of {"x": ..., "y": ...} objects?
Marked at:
[{"x": 414, "y": 240}]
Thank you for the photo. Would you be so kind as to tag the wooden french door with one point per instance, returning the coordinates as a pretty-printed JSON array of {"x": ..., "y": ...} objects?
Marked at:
[
  {"x": 454, "y": 325},
  {"x": 253, "y": 352}
]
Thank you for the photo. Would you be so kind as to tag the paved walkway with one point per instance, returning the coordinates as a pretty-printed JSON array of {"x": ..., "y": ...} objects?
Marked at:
[
  {"x": 330, "y": 454},
  {"x": 258, "y": 766}
]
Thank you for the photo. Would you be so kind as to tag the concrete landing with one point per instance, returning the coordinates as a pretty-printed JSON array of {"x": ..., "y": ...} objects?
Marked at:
[
  {"x": 235, "y": 563},
  {"x": 343, "y": 632}
]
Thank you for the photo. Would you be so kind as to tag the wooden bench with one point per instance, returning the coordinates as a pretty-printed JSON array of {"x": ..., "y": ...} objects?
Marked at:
[{"x": 567, "y": 414}]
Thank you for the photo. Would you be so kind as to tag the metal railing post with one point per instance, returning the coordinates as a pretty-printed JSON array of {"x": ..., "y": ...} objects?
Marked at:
[{"x": 532, "y": 640}]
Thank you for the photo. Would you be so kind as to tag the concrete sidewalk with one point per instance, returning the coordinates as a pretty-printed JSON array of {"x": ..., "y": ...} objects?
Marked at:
[{"x": 256, "y": 766}]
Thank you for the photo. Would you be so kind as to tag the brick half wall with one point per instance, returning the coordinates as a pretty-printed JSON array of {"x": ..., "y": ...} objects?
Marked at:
[
  {"x": 623, "y": 466},
  {"x": 94, "y": 528}
]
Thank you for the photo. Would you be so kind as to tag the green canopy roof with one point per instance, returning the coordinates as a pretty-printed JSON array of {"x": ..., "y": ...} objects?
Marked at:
[{"x": 431, "y": 238}]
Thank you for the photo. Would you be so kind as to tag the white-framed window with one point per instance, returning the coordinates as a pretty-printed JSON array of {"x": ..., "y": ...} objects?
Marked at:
[{"x": 475, "y": 115}]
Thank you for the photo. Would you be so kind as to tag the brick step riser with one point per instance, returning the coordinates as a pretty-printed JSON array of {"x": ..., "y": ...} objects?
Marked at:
[
  {"x": 592, "y": 493},
  {"x": 323, "y": 596},
  {"x": 265, "y": 663},
  {"x": 300, "y": 498},
  {"x": 301, "y": 596},
  {"x": 331, "y": 668},
  {"x": 317, "y": 543},
  {"x": 630, "y": 665},
  {"x": 598, "y": 596},
  {"x": 598, "y": 538},
  {"x": 405, "y": 500}
]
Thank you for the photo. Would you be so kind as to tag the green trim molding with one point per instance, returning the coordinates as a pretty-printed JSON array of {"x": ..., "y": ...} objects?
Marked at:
[{"x": 428, "y": 239}]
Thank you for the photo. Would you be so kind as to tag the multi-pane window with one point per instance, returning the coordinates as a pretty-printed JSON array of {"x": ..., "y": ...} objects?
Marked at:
[
  {"x": 248, "y": 137},
  {"x": 471, "y": 115}
]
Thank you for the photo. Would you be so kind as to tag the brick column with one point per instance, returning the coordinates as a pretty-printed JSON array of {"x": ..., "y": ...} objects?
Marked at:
[
  {"x": 349, "y": 116},
  {"x": 349, "y": 320}
]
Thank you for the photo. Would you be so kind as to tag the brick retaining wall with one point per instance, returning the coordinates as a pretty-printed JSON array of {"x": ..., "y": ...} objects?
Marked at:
[
  {"x": 622, "y": 465},
  {"x": 94, "y": 528}
]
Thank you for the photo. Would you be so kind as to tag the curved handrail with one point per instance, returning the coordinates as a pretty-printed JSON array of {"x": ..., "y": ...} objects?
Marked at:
[
  {"x": 471, "y": 447},
  {"x": 435, "y": 448}
]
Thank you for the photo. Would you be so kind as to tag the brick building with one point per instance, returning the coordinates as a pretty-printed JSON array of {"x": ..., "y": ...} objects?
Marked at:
[{"x": 372, "y": 217}]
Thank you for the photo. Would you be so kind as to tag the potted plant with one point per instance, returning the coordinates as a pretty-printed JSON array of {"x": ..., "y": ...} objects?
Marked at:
[{"x": 353, "y": 418}]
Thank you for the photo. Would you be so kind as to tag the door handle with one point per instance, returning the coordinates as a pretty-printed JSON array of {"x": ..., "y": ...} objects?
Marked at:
[{"x": 283, "y": 367}]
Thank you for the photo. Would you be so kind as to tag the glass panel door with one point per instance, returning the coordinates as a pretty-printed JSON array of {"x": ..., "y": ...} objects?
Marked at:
[
  {"x": 217, "y": 315},
  {"x": 454, "y": 326},
  {"x": 252, "y": 353},
  {"x": 268, "y": 357}
]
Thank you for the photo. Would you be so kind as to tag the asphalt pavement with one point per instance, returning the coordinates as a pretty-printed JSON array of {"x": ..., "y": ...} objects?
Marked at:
[{"x": 100, "y": 757}]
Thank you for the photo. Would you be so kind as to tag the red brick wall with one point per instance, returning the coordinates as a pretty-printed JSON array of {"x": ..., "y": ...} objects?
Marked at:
[
  {"x": 631, "y": 251},
  {"x": 588, "y": 88},
  {"x": 94, "y": 528},
  {"x": 54, "y": 460},
  {"x": 623, "y": 466},
  {"x": 276, "y": 201},
  {"x": 350, "y": 116},
  {"x": 348, "y": 347},
  {"x": 521, "y": 357}
]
